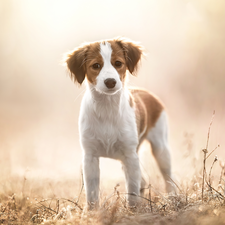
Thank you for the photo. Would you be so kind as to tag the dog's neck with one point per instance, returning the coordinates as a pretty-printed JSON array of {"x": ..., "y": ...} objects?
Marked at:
[{"x": 104, "y": 105}]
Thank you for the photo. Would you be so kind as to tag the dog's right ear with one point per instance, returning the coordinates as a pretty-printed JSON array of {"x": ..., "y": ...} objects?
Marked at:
[{"x": 75, "y": 61}]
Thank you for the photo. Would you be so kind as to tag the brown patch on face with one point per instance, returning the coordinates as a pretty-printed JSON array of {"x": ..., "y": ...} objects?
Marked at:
[
  {"x": 132, "y": 53},
  {"x": 81, "y": 60},
  {"x": 147, "y": 109},
  {"x": 93, "y": 57},
  {"x": 118, "y": 57}
]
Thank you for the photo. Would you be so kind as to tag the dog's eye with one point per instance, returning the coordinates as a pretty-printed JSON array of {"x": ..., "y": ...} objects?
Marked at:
[
  {"x": 118, "y": 64},
  {"x": 96, "y": 66}
]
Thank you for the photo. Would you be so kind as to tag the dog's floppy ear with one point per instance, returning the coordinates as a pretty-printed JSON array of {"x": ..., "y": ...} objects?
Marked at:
[
  {"x": 75, "y": 61},
  {"x": 132, "y": 51}
]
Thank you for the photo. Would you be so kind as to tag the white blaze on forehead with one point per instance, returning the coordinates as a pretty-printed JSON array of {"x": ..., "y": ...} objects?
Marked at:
[
  {"x": 107, "y": 71},
  {"x": 106, "y": 52}
]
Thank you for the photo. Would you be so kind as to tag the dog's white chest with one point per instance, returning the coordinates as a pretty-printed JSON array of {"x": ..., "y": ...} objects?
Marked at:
[
  {"x": 108, "y": 136},
  {"x": 106, "y": 131}
]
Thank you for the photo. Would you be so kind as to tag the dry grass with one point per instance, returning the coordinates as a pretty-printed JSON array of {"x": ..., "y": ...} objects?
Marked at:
[
  {"x": 200, "y": 200},
  {"x": 185, "y": 207}
]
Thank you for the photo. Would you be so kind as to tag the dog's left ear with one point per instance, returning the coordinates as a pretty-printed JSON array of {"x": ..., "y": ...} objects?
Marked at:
[{"x": 133, "y": 53}]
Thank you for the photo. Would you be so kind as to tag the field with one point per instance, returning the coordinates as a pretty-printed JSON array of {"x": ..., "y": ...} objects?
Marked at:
[
  {"x": 199, "y": 200},
  {"x": 44, "y": 207}
]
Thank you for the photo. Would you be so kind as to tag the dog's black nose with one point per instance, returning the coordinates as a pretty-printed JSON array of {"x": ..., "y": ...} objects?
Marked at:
[{"x": 110, "y": 82}]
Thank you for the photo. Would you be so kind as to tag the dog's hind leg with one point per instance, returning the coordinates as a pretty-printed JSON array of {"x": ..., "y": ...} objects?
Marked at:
[{"x": 158, "y": 139}]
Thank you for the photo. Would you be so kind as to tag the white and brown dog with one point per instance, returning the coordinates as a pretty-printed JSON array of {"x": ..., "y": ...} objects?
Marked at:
[{"x": 115, "y": 119}]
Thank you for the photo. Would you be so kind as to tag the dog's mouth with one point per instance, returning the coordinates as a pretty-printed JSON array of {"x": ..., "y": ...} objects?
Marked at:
[{"x": 110, "y": 91}]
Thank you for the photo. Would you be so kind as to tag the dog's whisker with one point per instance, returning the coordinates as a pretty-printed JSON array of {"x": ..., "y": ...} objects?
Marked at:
[{"x": 79, "y": 95}]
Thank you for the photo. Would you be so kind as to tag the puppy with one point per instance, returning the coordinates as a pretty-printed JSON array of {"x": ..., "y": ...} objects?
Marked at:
[{"x": 115, "y": 119}]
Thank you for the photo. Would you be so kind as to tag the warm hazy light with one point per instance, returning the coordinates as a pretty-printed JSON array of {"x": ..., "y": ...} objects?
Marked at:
[{"x": 39, "y": 105}]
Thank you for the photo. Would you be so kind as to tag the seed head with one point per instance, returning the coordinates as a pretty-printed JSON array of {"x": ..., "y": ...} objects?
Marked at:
[{"x": 216, "y": 158}]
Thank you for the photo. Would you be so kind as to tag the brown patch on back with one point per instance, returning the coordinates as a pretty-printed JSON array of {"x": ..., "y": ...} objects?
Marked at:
[{"x": 147, "y": 108}]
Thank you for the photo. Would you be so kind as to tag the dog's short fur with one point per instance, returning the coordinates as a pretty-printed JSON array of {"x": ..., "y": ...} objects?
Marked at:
[{"x": 115, "y": 119}]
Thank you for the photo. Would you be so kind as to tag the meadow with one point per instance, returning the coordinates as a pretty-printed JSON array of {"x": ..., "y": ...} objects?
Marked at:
[{"x": 198, "y": 200}]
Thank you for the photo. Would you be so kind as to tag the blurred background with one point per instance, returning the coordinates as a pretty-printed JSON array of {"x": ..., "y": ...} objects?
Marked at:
[{"x": 39, "y": 104}]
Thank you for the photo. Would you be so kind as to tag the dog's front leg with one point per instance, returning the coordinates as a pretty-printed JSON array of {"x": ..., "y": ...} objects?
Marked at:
[
  {"x": 91, "y": 180},
  {"x": 132, "y": 171}
]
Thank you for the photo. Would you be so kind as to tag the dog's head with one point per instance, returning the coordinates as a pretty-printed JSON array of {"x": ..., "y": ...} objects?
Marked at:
[{"x": 104, "y": 63}]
